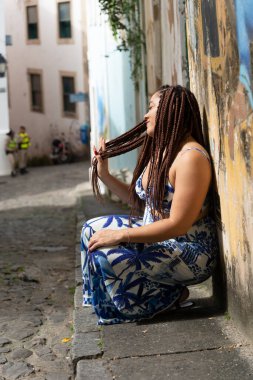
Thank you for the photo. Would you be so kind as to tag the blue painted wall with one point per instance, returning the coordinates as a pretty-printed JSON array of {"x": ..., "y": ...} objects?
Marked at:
[
  {"x": 244, "y": 28},
  {"x": 112, "y": 96}
]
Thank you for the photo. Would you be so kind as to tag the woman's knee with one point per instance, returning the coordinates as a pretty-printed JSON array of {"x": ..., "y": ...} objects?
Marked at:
[
  {"x": 90, "y": 227},
  {"x": 87, "y": 231}
]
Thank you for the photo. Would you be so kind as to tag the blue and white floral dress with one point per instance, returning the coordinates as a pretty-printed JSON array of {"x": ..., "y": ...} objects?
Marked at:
[{"x": 133, "y": 281}]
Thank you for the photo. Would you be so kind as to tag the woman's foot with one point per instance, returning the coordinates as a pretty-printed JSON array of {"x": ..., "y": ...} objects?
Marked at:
[
  {"x": 184, "y": 295},
  {"x": 181, "y": 303}
]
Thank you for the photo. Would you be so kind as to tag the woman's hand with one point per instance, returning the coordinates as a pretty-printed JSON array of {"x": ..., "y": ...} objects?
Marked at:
[
  {"x": 102, "y": 166},
  {"x": 107, "y": 238}
]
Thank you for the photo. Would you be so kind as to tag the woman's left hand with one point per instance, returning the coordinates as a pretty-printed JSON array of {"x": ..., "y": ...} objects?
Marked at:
[{"x": 106, "y": 238}]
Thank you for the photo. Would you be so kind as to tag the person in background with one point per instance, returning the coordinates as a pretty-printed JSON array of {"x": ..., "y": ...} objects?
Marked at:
[
  {"x": 11, "y": 148},
  {"x": 23, "y": 145}
]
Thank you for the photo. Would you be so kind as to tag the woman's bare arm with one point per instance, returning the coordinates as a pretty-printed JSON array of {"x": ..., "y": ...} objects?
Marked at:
[
  {"x": 116, "y": 186},
  {"x": 193, "y": 175},
  {"x": 192, "y": 180}
]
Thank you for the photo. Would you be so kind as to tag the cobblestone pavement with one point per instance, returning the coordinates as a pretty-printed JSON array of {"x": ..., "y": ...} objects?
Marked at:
[{"x": 37, "y": 245}]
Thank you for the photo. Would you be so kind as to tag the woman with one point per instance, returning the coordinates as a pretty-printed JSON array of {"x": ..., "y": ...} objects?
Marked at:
[{"x": 135, "y": 271}]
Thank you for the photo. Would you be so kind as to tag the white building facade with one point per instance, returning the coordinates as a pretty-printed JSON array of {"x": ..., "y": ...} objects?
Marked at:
[
  {"x": 4, "y": 115},
  {"x": 46, "y": 56}
]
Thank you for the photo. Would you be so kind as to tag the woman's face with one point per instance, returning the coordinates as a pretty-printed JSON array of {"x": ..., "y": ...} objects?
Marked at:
[{"x": 150, "y": 116}]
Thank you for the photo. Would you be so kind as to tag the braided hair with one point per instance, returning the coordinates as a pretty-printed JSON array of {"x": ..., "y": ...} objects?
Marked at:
[{"x": 177, "y": 118}]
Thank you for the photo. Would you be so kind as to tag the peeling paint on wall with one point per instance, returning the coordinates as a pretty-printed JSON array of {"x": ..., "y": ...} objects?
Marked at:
[
  {"x": 220, "y": 36},
  {"x": 210, "y": 28}
]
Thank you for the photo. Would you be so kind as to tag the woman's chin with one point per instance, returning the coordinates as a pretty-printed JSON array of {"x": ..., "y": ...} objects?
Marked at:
[{"x": 150, "y": 133}]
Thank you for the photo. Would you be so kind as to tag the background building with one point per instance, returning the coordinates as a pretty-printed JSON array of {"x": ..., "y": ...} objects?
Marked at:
[
  {"x": 47, "y": 62},
  {"x": 4, "y": 113}
]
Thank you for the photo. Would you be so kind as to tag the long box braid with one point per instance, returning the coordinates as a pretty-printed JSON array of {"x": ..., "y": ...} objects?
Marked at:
[{"x": 177, "y": 118}]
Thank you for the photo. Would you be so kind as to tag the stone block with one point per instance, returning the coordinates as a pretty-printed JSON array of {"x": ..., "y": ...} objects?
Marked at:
[
  {"x": 92, "y": 370},
  {"x": 3, "y": 359},
  {"x": 78, "y": 255},
  {"x": 17, "y": 370},
  {"x": 21, "y": 353},
  {"x": 86, "y": 346},
  {"x": 85, "y": 320},
  {"x": 78, "y": 299},
  {"x": 58, "y": 376},
  {"x": 4, "y": 341},
  {"x": 78, "y": 276},
  {"x": 148, "y": 338},
  {"x": 208, "y": 364}
]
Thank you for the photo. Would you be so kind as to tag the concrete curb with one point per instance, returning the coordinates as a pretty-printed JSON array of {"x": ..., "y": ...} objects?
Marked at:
[{"x": 87, "y": 339}]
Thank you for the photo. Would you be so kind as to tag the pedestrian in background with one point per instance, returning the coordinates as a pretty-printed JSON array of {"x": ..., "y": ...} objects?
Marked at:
[
  {"x": 24, "y": 142},
  {"x": 11, "y": 149}
]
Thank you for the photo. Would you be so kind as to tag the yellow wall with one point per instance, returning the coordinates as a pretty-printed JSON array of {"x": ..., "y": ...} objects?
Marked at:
[{"x": 218, "y": 37}]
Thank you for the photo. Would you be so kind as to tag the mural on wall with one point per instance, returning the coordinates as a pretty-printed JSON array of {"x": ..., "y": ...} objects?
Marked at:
[
  {"x": 244, "y": 27},
  {"x": 210, "y": 28},
  {"x": 220, "y": 37}
]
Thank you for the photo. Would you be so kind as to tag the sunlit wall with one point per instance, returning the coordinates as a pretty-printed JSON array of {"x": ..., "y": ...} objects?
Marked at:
[{"x": 220, "y": 36}]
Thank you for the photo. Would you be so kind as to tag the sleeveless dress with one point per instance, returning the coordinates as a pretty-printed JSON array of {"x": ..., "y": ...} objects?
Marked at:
[{"x": 129, "y": 282}]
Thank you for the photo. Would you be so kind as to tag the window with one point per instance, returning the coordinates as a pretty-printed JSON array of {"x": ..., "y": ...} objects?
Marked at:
[
  {"x": 68, "y": 87},
  {"x": 36, "y": 92},
  {"x": 32, "y": 22},
  {"x": 8, "y": 40},
  {"x": 64, "y": 20}
]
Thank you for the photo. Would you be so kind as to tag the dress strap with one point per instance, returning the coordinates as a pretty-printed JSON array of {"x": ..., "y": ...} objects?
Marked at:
[{"x": 199, "y": 150}]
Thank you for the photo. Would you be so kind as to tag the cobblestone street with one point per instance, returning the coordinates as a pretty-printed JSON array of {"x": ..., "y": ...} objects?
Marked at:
[{"x": 37, "y": 245}]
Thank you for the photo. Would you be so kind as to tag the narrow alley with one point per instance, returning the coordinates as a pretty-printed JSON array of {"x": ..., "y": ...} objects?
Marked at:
[{"x": 37, "y": 242}]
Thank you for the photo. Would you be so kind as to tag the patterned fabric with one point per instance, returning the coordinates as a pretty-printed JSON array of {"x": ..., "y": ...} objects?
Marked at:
[{"x": 133, "y": 281}]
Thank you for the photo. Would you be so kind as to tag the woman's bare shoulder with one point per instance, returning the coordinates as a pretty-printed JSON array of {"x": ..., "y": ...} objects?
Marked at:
[
  {"x": 192, "y": 150},
  {"x": 191, "y": 155}
]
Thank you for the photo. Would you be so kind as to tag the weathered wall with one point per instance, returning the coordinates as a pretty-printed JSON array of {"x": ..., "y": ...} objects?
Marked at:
[
  {"x": 166, "y": 61},
  {"x": 220, "y": 36}
]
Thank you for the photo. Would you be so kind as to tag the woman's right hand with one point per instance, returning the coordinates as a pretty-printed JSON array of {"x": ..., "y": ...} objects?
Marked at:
[{"x": 102, "y": 166}]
